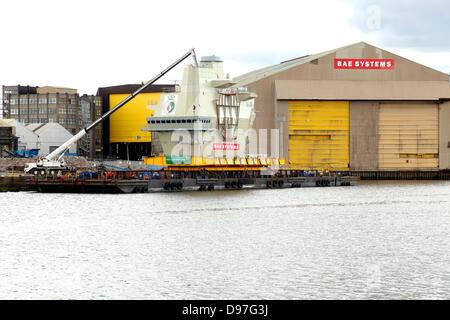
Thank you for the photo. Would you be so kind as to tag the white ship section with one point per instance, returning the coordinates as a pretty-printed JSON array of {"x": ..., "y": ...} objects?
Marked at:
[{"x": 207, "y": 116}]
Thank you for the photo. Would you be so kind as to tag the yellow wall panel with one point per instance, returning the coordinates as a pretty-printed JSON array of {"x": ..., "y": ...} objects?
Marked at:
[
  {"x": 319, "y": 134},
  {"x": 126, "y": 123},
  {"x": 408, "y": 136}
]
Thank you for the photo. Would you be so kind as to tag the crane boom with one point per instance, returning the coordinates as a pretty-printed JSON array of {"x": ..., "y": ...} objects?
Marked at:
[{"x": 52, "y": 158}]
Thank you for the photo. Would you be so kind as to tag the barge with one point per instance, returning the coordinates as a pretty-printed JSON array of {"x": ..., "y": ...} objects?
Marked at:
[{"x": 183, "y": 180}]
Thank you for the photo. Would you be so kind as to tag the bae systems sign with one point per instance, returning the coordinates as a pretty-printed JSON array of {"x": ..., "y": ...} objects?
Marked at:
[
  {"x": 377, "y": 64},
  {"x": 225, "y": 146}
]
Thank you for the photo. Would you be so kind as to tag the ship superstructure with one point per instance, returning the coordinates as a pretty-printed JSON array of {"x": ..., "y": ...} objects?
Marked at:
[{"x": 207, "y": 117}]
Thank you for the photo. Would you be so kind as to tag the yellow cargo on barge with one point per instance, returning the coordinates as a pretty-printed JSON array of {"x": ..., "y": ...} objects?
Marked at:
[{"x": 192, "y": 163}]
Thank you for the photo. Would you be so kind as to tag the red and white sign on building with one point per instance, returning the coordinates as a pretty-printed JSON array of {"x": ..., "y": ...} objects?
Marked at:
[
  {"x": 225, "y": 146},
  {"x": 377, "y": 64}
]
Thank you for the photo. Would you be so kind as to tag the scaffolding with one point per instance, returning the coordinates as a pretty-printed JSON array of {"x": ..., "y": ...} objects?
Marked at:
[{"x": 227, "y": 106}]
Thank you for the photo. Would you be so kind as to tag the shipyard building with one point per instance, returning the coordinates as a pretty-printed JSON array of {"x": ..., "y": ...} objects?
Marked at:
[
  {"x": 91, "y": 144},
  {"x": 40, "y": 105},
  {"x": 32, "y": 105},
  {"x": 8, "y": 139},
  {"x": 357, "y": 108},
  {"x": 122, "y": 134}
]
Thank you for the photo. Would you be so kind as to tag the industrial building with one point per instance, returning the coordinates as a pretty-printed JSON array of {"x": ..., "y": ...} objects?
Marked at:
[
  {"x": 38, "y": 105},
  {"x": 118, "y": 137},
  {"x": 90, "y": 110},
  {"x": 27, "y": 139},
  {"x": 357, "y": 108},
  {"x": 8, "y": 139},
  {"x": 50, "y": 137},
  {"x": 122, "y": 135},
  {"x": 32, "y": 105},
  {"x": 45, "y": 137}
]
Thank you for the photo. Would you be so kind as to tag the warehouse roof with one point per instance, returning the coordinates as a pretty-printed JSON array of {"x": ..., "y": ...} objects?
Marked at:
[
  {"x": 34, "y": 126},
  {"x": 4, "y": 123},
  {"x": 50, "y": 89},
  {"x": 252, "y": 76},
  {"x": 16, "y": 123},
  {"x": 38, "y": 128},
  {"x": 351, "y": 51},
  {"x": 43, "y": 127},
  {"x": 129, "y": 88}
]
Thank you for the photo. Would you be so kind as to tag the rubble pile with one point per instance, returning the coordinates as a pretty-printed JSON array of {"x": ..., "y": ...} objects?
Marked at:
[
  {"x": 14, "y": 164},
  {"x": 18, "y": 164},
  {"x": 78, "y": 162}
]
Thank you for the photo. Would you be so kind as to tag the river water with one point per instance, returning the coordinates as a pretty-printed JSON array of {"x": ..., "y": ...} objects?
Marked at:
[{"x": 378, "y": 240}]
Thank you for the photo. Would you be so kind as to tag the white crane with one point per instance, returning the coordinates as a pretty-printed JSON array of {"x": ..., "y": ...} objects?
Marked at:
[{"x": 54, "y": 161}]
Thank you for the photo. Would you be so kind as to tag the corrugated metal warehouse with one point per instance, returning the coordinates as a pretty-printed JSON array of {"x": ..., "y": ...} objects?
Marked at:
[{"x": 355, "y": 108}]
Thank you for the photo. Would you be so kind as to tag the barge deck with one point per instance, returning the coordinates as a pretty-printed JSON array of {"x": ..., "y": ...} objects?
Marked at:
[{"x": 142, "y": 182}]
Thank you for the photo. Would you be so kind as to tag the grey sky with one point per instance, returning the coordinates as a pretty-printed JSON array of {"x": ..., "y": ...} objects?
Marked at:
[{"x": 422, "y": 25}]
